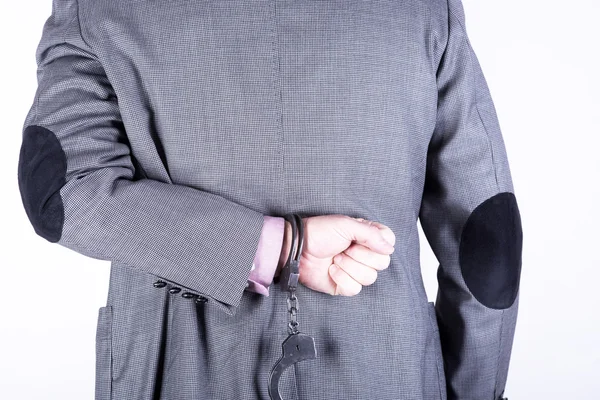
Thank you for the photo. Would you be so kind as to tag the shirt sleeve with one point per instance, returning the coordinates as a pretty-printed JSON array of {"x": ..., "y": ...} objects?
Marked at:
[
  {"x": 471, "y": 219},
  {"x": 80, "y": 187},
  {"x": 267, "y": 255}
]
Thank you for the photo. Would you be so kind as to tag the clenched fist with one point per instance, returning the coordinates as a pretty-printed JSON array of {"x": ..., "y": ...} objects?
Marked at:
[{"x": 340, "y": 254}]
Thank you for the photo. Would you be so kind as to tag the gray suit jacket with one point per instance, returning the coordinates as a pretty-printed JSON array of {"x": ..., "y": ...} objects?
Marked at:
[{"x": 163, "y": 130}]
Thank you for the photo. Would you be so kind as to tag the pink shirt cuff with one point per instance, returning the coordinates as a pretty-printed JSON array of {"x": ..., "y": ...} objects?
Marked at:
[{"x": 267, "y": 255}]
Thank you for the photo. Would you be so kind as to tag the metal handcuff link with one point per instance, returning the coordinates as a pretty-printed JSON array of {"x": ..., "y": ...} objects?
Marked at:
[{"x": 297, "y": 346}]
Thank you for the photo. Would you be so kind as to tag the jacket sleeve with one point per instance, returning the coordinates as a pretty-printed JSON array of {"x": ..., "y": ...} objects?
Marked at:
[
  {"x": 470, "y": 217},
  {"x": 80, "y": 189}
]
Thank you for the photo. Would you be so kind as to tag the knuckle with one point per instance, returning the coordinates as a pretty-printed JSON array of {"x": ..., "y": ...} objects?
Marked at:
[
  {"x": 371, "y": 278},
  {"x": 354, "y": 290},
  {"x": 374, "y": 230},
  {"x": 348, "y": 290},
  {"x": 386, "y": 262}
]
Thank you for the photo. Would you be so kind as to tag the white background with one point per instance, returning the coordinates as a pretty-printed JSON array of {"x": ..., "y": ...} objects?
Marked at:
[{"x": 541, "y": 61}]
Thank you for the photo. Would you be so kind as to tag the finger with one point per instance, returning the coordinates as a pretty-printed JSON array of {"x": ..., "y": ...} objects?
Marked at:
[
  {"x": 345, "y": 285},
  {"x": 368, "y": 257},
  {"x": 360, "y": 272},
  {"x": 368, "y": 234}
]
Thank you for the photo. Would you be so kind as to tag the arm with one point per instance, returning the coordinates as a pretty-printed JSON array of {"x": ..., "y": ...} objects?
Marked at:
[
  {"x": 470, "y": 217},
  {"x": 80, "y": 188}
]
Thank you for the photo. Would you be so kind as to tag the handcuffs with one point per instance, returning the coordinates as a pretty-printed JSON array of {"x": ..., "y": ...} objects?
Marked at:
[{"x": 297, "y": 346}]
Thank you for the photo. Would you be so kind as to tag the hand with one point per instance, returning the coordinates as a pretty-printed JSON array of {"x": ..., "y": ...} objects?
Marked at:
[{"x": 340, "y": 254}]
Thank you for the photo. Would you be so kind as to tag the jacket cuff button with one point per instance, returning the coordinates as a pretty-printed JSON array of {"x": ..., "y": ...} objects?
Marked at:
[
  {"x": 201, "y": 299},
  {"x": 159, "y": 284},
  {"x": 174, "y": 290},
  {"x": 188, "y": 295}
]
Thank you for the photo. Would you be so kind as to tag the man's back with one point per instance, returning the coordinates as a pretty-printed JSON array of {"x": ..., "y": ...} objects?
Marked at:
[{"x": 201, "y": 117}]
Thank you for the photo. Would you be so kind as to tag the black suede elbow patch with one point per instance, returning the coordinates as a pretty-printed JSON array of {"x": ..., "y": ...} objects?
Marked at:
[
  {"x": 490, "y": 251},
  {"x": 41, "y": 174}
]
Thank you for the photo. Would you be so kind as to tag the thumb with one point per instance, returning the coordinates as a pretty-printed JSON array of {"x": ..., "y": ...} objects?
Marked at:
[
  {"x": 386, "y": 232},
  {"x": 371, "y": 234}
]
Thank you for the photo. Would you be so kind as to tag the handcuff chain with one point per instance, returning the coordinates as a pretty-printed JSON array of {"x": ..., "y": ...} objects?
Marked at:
[
  {"x": 290, "y": 281},
  {"x": 293, "y": 305}
]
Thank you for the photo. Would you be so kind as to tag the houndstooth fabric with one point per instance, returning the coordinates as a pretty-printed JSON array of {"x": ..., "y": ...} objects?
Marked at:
[{"x": 184, "y": 122}]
